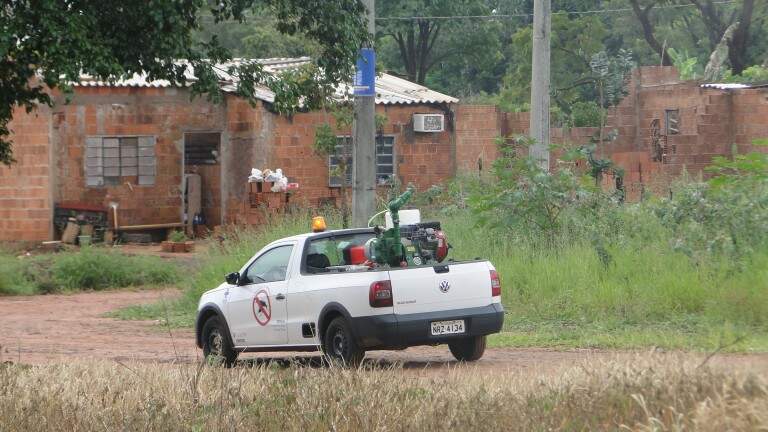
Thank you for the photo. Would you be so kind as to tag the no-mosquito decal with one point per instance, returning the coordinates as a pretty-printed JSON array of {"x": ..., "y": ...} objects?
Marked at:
[{"x": 262, "y": 307}]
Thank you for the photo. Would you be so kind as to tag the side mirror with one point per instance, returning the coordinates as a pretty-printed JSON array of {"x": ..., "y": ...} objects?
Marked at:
[{"x": 232, "y": 278}]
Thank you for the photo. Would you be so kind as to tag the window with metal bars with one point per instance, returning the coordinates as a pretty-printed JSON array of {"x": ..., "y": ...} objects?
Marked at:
[
  {"x": 340, "y": 163},
  {"x": 672, "y": 120},
  {"x": 111, "y": 159}
]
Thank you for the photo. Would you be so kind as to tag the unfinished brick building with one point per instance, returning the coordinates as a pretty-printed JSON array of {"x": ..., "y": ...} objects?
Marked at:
[
  {"x": 129, "y": 145},
  {"x": 665, "y": 127},
  {"x": 154, "y": 134}
]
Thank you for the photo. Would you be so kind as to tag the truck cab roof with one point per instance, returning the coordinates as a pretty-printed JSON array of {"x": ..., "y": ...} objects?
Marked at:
[{"x": 327, "y": 233}]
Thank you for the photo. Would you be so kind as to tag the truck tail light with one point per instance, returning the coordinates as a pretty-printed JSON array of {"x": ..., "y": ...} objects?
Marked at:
[
  {"x": 495, "y": 284},
  {"x": 380, "y": 294}
]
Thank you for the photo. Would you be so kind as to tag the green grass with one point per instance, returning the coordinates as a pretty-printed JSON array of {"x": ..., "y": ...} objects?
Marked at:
[
  {"x": 88, "y": 268},
  {"x": 240, "y": 244},
  {"x": 565, "y": 297}
]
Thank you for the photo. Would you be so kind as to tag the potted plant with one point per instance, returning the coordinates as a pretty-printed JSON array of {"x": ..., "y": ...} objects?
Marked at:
[{"x": 178, "y": 242}]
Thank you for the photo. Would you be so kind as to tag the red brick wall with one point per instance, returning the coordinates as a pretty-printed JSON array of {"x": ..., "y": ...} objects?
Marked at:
[
  {"x": 25, "y": 200},
  {"x": 750, "y": 117},
  {"x": 423, "y": 159},
  {"x": 163, "y": 113},
  {"x": 477, "y": 128},
  {"x": 711, "y": 121}
]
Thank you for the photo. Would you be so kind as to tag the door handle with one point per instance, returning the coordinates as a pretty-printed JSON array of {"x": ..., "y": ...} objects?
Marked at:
[{"x": 280, "y": 296}]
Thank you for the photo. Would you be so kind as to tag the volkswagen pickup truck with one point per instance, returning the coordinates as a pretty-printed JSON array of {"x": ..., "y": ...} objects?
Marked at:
[{"x": 302, "y": 294}]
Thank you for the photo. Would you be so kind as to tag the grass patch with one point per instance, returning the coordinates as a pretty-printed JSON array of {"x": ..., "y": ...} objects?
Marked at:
[
  {"x": 665, "y": 335},
  {"x": 89, "y": 268},
  {"x": 239, "y": 245},
  {"x": 648, "y": 294},
  {"x": 657, "y": 393}
]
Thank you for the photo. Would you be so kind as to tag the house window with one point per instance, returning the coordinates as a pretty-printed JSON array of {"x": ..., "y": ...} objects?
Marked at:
[
  {"x": 110, "y": 159},
  {"x": 672, "y": 120},
  {"x": 340, "y": 163},
  {"x": 201, "y": 148},
  {"x": 385, "y": 159}
]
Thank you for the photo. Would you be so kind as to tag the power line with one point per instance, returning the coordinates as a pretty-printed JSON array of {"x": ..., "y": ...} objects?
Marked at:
[{"x": 529, "y": 15}]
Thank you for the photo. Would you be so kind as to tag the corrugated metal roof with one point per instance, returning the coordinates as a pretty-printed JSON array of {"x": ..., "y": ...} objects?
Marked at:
[
  {"x": 733, "y": 86},
  {"x": 389, "y": 88}
]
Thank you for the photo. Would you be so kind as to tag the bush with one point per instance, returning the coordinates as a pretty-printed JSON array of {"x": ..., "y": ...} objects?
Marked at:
[
  {"x": 13, "y": 280},
  {"x": 92, "y": 268},
  {"x": 89, "y": 268},
  {"x": 586, "y": 114}
]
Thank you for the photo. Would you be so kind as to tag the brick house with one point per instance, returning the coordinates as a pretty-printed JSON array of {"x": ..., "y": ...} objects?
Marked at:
[
  {"x": 153, "y": 134},
  {"x": 130, "y": 144}
]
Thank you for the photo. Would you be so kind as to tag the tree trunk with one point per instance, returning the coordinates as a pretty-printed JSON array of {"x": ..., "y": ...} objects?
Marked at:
[
  {"x": 645, "y": 22},
  {"x": 737, "y": 48},
  {"x": 416, "y": 49}
]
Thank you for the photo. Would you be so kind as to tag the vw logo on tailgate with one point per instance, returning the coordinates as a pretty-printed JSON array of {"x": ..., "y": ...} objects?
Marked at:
[{"x": 445, "y": 286}]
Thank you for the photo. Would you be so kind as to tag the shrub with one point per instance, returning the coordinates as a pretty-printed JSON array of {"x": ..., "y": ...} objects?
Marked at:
[
  {"x": 93, "y": 268},
  {"x": 586, "y": 114},
  {"x": 178, "y": 236},
  {"x": 13, "y": 279},
  {"x": 89, "y": 268}
]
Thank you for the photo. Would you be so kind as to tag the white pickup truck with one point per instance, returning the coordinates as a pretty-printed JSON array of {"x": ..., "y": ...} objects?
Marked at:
[{"x": 300, "y": 294}]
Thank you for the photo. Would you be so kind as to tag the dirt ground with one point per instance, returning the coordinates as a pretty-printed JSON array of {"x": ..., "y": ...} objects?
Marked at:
[{"x": 64, "y": 328}]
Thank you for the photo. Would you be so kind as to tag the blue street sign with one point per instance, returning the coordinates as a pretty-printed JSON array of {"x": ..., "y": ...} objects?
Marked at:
[{"x": 365, "y": 73}]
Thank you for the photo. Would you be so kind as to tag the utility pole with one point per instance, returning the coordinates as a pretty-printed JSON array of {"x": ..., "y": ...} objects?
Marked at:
[
  {"x": 364, "y": 133},
  {"x": 539, "y": 128}
]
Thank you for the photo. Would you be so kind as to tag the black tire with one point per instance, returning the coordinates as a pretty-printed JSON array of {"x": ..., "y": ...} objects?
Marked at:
[
  {"x": 340, "y": 346},
  {"x": 217, "y": 347},
  {"x": 469, "y": 349}
]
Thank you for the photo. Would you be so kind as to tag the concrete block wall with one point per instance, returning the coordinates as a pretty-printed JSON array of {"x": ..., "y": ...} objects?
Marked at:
[
  {"x": 165, "y": 113},
  {"x": 423, "y": 159},
  {"x": 477, "y": 130},
  {"x": 26, "y": 210}
]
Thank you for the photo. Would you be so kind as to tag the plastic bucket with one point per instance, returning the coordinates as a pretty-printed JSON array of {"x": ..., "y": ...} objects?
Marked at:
[{"x": 84, "y": 240}]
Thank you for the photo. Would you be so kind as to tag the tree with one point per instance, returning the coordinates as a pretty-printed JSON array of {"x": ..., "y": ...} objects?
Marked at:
[
  {"x": 257, "y": 37},
  {"x": 716, "y": 20},
  {"x": 717, "y": 23},
  {"x": 421, "y": 44},
  {"x": 574, "y": 41},
  {"x": 48, "y": 44},
  {"x": 643, "y": 14}
]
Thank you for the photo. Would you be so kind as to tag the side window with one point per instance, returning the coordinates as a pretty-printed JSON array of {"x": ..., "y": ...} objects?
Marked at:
[
  {"x": 332, "y": 251},
  {"x": 269, "y": 267}
]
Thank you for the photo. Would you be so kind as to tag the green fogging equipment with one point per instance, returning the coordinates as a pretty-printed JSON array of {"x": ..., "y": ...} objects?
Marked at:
[
  {"x": 410, "y": 245},
  {"x": 387, "y": 248}
]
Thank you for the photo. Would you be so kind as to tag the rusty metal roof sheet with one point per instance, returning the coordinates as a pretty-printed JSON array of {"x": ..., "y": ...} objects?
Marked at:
[{"x": 389, "y": 88}]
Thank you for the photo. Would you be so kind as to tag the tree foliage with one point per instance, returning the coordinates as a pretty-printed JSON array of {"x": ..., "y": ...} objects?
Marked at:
[
  {"x": 48, "y": 44},
  {"x": 445, "y": 49}
]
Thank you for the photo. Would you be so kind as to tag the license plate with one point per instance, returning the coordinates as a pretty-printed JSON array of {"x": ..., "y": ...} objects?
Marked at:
[{"x": 447, "y": 327}]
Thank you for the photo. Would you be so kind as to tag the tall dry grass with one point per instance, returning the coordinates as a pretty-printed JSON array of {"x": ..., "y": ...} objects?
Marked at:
[{"x": 660, "y": 393}]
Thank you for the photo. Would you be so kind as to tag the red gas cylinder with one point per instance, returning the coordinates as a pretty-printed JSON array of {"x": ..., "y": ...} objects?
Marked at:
[{"x": 442, "y": 246}]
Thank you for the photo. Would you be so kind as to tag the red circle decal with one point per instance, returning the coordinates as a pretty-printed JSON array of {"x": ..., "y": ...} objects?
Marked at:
[{"x": 262, "y": 307}]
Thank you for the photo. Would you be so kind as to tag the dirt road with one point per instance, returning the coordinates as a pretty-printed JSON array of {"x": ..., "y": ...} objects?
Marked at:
[{"x": 62, "y": 328}]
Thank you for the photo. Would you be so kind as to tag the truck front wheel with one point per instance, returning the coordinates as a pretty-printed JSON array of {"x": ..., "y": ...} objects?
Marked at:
[
  {"x": 339, "y": 344},
  {"x": 469, "y": 349},
  {"x": 216, "y": 345}
]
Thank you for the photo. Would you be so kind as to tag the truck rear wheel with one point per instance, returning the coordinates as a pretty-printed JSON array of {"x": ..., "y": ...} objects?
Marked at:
[
  {"x": 216, "y": 345},
  {"x": 339, "y": 345},
  {"x": 469, "y": 349}
]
